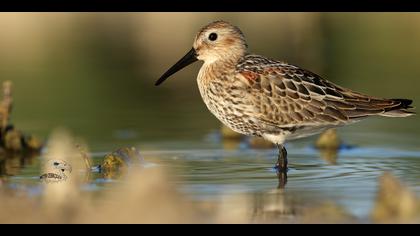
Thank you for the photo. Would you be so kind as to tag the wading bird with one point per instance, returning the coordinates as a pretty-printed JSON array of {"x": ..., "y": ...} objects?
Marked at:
[{"x": 258, "y": 96}]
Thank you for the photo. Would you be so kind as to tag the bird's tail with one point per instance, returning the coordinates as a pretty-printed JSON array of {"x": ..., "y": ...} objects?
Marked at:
[
  {"x": 399, "y": 108},
  {"x": 361, "y": 106}
]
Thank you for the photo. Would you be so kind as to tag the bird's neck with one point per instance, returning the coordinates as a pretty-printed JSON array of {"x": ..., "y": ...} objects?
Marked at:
[
  {"x": 216, "y": 69},
  {"x": 223, "y": 63}
]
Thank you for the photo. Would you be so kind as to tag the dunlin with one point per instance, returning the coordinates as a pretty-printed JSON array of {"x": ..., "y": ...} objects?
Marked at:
[{"x": 258, "y": 96}]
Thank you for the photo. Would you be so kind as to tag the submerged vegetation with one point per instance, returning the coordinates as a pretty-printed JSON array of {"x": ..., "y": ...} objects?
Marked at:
[
  {"x": 11, "y": 138},
  {"x": 17, "y": 148}
]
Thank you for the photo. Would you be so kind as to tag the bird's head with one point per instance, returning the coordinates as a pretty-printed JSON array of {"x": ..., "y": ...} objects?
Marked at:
[{"x": 217, "y": 41}]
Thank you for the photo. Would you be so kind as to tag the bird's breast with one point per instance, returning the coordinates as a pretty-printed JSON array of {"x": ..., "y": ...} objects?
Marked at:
[{"x": 226, "y": 99}]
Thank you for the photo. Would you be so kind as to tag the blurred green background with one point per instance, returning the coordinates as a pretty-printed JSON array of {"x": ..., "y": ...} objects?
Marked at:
[{"x": 94, "y": 72}]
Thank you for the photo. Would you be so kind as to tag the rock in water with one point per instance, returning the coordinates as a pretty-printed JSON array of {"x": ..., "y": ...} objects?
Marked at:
[
  {"x": 395, "y": 202},
  {"x": 118, "y": 161},
  {"x": 55, "y": 171},
  {"x": 13, "y": 140},
  {"x": 328, "y": 140}
]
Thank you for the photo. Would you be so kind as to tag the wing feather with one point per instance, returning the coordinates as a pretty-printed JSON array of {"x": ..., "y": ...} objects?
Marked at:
[{"x": 300, "y": 97}]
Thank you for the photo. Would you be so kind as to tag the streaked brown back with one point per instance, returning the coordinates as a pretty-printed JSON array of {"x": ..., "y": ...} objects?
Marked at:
[{"x": 289, "y": 95}]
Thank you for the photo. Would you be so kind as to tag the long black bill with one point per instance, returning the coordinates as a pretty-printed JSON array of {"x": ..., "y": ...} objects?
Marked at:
[{"x": 186, "y": 60}]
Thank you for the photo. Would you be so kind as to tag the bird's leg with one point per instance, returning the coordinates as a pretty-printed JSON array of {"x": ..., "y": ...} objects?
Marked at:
[
  {"x": 282, "y": 176},
  {"x": 281, "y": 164}
]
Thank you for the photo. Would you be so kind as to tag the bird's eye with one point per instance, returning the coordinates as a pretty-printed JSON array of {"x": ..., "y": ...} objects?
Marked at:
[
  {"x": 212, "y": 36},
  {"x": 56, "y": 163}
]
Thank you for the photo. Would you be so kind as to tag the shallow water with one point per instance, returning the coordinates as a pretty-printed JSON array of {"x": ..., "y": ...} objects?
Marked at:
[
  {"x": 67, "y": 78},
  {"x": 352, "y": 182},
  {"x": 209, "y": 171}
]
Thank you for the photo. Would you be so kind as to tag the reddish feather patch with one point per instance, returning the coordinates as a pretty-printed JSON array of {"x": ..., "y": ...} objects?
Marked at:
[{"x": 250, "y": 76}]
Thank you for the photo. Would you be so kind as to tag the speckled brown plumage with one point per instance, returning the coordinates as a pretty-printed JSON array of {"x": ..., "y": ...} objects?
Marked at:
[
  {"x": 258, "y": 96},
  {"x": 255, "y": 95},
  {"x": 261, "y": 95},
  {"x": 286, "y": 96}
]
